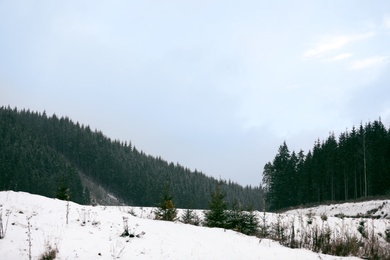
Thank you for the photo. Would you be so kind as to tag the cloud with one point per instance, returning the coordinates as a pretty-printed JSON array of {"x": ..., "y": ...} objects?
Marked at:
[
  {"x": 339, "y": 57},
  {"x": 334, "y": 43},
  {"x": 368, "y": 63},
  {"x": 386, "y": 22}
]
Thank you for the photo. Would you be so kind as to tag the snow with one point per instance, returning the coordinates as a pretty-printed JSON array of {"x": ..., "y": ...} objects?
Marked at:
[
  {"x": 375, "y": 208},
  {"x": 99, "y": 237}
]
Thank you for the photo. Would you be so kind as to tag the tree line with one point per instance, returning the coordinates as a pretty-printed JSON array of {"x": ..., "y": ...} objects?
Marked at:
[
  {"x": 354, "y": 165},
  {"x": 40, "y": 154}
]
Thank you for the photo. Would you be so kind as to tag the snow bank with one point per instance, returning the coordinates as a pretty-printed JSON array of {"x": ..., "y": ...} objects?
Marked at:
[
  {"x": 94, "y": 233},
  {"x": 374, "y": 208}
]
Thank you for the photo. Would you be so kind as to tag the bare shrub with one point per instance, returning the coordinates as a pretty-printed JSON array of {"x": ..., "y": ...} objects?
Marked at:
[
  {"x": 2, "y": 233},
  {"x": 131, "y": 211},
  {"x": 314, "y": 233},
  {"x": 264, "y": 228},
  {"x": 125, "y": 232},
  {"x": 117, "y": 249},
  {"x": 387, "y": 235},
  {"x": 279, "y": 230},
  {"x": 349, "y": 245},
  {"x": 309, "y": 216},
  {"x": 3, "y": 230},
  {"x": 85, "y": 216},
  {"x": 29, "y": 236},
  {"x": 362, "y": 229}
]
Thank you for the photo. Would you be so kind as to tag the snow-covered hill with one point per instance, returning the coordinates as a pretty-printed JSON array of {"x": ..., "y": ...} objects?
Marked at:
[
  {"x": 373, "y": 209},
  {"x": 95, "y": 233}
]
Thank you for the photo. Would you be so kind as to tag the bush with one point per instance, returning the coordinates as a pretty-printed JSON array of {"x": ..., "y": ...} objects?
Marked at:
[
  {"x": 310, "y": 216},
  {"x": 362, "y": 229},
  {"x": 50, "y": 254},
  {"x": 346, "y": 247}
]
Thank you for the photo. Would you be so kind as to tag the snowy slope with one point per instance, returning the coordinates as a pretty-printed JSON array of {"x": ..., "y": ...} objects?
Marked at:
[
  {"x": 100, "y": 237},
  {"x": 374, "y": 208}
]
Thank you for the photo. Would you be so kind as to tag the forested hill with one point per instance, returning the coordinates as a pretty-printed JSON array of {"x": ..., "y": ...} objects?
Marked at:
[
  {"x": 355, "y": 165},
  {"x": 40, "y": 154}
]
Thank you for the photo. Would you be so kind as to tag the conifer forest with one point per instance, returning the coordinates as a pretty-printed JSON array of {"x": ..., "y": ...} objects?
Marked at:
[
  {"x": 46, "y": 154},
  {"x": 356, "y": 165}
]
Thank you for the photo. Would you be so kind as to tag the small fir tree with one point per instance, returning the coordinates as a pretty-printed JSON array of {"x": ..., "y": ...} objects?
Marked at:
[
  {"x": 216, "y": 215},
  {"x": 166, "y": 209},
  {"x": 242, "y": 221},
  {"x": 63, "y": 192},
  {"x": 190, "y": 217},
  {"x": 234, "y": 217},
  {"x": 250, "y": 223}
]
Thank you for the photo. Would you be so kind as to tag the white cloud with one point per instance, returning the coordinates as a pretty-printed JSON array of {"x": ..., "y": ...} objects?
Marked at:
[
  {"x": 334, "y": 43},
  {"x": 368, "y": 63},
  {"x": 339, "y": 57},
  {"x": 386, "y": 21}
]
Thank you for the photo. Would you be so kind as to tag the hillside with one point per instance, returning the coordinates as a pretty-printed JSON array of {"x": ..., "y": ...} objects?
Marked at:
[
  {"x": 36, "y": 223},
  {"x": 42, "y": 153}
]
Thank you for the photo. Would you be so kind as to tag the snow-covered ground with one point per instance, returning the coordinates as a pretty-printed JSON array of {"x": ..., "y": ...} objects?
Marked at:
[
  {"x": 94, "y": 233},
  {"x": 374, "y": 208}
]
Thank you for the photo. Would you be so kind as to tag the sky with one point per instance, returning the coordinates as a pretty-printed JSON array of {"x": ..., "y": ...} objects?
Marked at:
[{"x": 215, "y": 86}]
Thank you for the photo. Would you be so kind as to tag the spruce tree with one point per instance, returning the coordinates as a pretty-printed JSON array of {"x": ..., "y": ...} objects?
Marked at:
[
  {"x": 63, "y": 192},
  {"x": 190, "y": 217},
  {"x": 216, "y": 216},
  {"x": 166, "y": 210}
]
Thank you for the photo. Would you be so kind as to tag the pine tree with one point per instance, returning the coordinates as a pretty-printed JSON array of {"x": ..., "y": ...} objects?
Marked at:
[
  {"x": 250, "y": 223},
  {"x": 216, "y": 216},
  {"x": 63, "y": 192},
  {"x": 279, "y": 176},
  {"x": 234, "y": 217},
  {"x": 166, "y": 210},
  {"x": 190, "y": 217}
]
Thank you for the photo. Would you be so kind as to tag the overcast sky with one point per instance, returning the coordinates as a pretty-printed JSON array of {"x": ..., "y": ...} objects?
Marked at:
[{"x": 216, "y": 86}]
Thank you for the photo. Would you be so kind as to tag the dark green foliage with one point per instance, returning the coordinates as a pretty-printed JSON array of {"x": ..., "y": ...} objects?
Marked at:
[
  {"x": 216, "y": 216},
  {"x": 38, "y": 152},
  {"x": 240, "y": 220},
  {"x": 357, "y": 165},
  {"x": 235, "y": 218},
  {"x": 63, "y": 192},
  {"x": 250, "y": 223},
  {"x": 190, "y": 217},
  {"x": 27, "y": 162},
  {"x": 166, "y": 210},
  {"x": 245, "y": 222}
]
